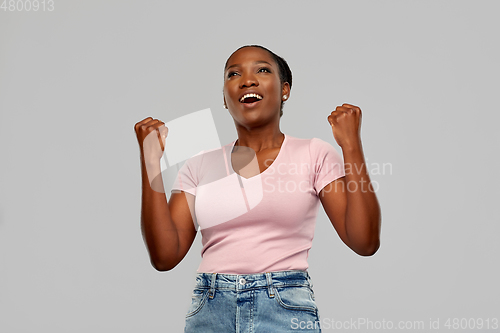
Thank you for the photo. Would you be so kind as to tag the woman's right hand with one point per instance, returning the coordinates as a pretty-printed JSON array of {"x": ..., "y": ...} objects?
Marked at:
[{"x": 151, "y": 134}]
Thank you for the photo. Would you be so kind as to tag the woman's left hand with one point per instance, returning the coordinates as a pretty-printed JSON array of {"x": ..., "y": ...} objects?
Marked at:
[{"x": 346, "y": 125}]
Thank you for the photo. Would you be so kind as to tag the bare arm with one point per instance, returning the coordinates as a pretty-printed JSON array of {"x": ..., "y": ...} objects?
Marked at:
[
  {"x": 352, "y": 206},
  {"x": 350, "y": 202},
  {"x": 167, "y": 227}
]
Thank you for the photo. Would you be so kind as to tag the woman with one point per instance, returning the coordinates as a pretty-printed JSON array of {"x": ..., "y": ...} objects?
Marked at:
[{"x": 256, "y": 237}]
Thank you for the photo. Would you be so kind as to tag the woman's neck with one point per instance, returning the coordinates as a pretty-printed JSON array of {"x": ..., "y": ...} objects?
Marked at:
[{"x": 260, "y": 140}]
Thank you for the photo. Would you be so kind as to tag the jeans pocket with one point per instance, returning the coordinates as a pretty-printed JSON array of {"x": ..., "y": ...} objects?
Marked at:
[
  {"x": 296, "y": 298},
  {"x": 198, "y": 299}
]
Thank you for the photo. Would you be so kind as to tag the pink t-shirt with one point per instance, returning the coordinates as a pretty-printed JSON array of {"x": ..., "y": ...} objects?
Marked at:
[{"x": 264, "y": 223}]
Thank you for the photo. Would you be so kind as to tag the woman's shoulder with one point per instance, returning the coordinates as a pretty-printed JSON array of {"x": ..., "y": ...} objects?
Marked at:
[
  {"x": 293, "y": 140},
  {"x": 311, "y": 143},
  {"x": 306, "y": 148},
  {"x": 314, "y": 147}
]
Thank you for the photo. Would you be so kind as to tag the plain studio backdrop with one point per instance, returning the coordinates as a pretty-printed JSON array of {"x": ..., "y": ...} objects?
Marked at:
[{"x": 76, "y": 76}]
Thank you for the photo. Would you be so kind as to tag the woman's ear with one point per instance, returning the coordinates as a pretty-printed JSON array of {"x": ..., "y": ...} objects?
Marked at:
[{"x": 285, "y": 92}]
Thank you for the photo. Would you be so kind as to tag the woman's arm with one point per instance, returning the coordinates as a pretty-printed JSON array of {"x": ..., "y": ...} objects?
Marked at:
[
  {"x": 350, "y": 201},
  {"x": 167, "y": 227}
]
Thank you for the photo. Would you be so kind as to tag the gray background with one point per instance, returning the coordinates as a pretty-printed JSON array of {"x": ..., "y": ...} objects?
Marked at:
[{"x": 74, "y": 81}]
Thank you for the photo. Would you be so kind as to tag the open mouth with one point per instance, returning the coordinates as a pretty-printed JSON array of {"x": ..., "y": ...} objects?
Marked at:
[
  {"x": 251, "y": 100},
  {"x": 249, "y": 104}
]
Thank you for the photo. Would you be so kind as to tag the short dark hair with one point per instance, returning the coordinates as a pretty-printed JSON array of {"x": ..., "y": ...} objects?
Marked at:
[{"x": 284, "y": 70}]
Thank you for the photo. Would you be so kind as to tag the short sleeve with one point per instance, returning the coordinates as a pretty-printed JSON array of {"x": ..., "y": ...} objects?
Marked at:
[
  {"x": 188, "y": 176},
  {"x": 327, "y": 164}
]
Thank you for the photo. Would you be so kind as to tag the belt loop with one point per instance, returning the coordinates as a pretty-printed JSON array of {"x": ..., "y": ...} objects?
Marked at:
[
  {"x": 269, "y": 285},
  {"x": 212, "y": 287},
  {"x": 309, "y": 279}
]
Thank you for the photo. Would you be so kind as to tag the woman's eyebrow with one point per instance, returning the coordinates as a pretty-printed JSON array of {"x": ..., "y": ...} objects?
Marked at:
[{"x": 256, "y": 62}]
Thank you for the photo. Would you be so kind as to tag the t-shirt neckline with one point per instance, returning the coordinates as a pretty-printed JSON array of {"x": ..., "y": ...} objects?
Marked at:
[{"x": 285, "y": 140}]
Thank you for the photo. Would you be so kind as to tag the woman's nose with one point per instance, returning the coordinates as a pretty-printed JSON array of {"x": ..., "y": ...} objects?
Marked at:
[{"x": 249, "y": 80}]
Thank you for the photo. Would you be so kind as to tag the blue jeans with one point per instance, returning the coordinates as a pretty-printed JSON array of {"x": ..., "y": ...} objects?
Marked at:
[{"x": 280, "y": 301}]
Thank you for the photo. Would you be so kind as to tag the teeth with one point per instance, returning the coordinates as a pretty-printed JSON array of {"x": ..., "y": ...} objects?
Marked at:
[{"x": 250, "y": 95}]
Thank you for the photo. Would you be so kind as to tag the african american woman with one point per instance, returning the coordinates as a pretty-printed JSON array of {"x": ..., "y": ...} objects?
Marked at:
[{"x": 255, "y": 201}]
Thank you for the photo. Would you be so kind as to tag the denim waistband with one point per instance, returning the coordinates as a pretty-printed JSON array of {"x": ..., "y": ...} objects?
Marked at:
[{"x": 240, "y": 282}]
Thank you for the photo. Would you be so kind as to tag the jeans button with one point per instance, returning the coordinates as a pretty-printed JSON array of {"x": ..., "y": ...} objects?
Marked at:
[{"x": 242, "y": 281}]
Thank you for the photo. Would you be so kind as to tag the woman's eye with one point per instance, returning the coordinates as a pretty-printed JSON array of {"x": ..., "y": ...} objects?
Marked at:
[{"x": 260, "y": 69}]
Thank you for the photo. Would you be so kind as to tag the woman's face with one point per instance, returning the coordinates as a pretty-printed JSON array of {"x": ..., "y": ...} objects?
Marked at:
[{"x": 252, "y": 69}]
